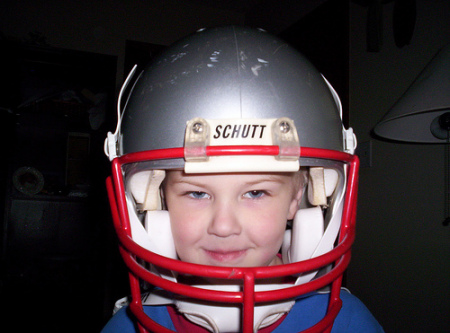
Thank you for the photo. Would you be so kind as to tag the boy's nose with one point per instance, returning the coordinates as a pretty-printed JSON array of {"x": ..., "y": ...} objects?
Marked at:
[{"x": 225, "y": 221}]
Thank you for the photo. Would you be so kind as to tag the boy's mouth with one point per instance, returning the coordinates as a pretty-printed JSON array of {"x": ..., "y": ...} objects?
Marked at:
[{"x": 225, "y": 256}]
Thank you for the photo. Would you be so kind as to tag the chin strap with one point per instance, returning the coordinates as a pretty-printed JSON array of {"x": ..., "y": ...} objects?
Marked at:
[
  {"x": 222, "y": 317},
  {"x": 227, "y": 318}
]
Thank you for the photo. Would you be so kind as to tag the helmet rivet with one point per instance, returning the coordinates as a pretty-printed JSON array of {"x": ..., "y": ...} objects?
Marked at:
[
  {"x": 197, "y": 128},
  {"x": 285, "y": 127}
]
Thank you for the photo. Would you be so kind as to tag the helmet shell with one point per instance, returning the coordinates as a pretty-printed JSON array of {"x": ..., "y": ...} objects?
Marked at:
[{"x": 225, "y": 73}]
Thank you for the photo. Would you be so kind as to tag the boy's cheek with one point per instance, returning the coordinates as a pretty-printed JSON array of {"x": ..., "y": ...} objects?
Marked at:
[
  {"x": 182, "y": 238},
  {"x": 185, "y": 227}
]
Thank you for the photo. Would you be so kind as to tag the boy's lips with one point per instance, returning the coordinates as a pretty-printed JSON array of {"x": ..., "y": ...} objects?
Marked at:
[{"x": 225, "y": 255}]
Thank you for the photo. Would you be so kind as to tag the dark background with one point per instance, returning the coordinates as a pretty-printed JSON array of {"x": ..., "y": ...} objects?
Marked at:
[{"x": 62, "y": 64}]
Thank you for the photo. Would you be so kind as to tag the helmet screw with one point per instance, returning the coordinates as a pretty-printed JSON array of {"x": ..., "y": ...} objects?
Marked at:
[
  {"x": 285, "y": 127},
  {"x": 197, "y": 128}
]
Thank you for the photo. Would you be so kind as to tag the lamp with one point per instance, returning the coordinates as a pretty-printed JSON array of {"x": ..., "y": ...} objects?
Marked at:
[{"x": 422, "y": 114}]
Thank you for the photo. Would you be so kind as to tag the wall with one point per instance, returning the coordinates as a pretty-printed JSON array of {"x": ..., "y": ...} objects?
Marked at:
[
  {"x": 103, "y": 26},
  {"x": 400, "y": 266}
]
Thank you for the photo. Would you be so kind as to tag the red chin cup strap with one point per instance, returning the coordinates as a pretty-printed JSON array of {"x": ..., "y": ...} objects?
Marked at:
[{"x": 134, "y": 255}]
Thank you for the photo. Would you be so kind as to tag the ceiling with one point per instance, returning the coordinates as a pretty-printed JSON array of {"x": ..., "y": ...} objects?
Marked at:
[{"x": 272, "y": 15}]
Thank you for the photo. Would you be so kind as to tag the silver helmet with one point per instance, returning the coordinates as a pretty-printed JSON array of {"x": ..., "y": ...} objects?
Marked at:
[{"x": 224, "y": 73}]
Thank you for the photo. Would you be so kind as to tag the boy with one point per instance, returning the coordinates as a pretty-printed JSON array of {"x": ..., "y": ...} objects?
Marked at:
[{"x": 206, "y": 191}]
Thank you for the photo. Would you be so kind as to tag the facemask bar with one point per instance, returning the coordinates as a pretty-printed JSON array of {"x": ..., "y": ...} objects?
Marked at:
[{"x": 130, "y": 251}]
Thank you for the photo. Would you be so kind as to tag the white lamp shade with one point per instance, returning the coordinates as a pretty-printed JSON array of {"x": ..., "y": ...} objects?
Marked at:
[{"x": 421, "y": 105}]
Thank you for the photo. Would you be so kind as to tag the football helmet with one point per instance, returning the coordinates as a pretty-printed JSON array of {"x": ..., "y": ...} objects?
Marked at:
[{"x": 224, "y": 100}]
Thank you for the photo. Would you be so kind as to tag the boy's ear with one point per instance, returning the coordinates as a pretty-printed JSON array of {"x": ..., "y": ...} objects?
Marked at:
[{"x": 295, "y": 203}]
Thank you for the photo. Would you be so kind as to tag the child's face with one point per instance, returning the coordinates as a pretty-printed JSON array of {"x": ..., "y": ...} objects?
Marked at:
[{"x": 230, "y": 219}]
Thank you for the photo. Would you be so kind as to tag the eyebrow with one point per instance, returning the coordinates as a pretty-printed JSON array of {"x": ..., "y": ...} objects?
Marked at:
[
  {"x": 266, "y": 178},
  {"x": 269, "y": 178}
]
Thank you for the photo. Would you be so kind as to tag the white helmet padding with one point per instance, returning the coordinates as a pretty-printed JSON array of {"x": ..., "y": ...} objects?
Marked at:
[
  {"x": 321, "y": 184},
  {"x": 307, "y": 231},
  {"x": 145, "y": 188},
  {"x": 311, "y": 234},
  {"x": 154, "y": 235}
]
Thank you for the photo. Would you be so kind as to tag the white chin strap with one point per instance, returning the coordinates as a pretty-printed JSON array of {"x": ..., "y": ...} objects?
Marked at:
[
  {"x": 227, "y": 318},
  {"x": 307, "y": 239}
]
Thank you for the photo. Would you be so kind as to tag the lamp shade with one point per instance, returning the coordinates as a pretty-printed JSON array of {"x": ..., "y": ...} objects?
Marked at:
[{"x": 418, "y": 115}]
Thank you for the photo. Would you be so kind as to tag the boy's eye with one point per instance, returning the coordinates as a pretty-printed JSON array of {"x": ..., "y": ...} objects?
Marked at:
[
  {"x": 198, "y": 195},
  {"x": 254, "y": 194}
]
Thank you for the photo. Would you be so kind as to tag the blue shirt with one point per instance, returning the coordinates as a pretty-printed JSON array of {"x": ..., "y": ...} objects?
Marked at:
[{"x": 354, "y": 316}]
